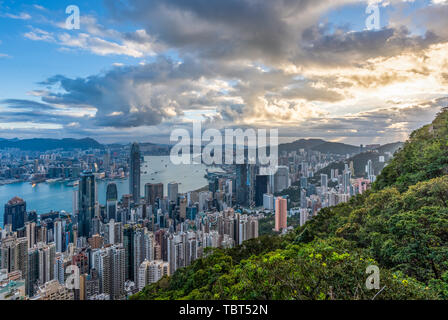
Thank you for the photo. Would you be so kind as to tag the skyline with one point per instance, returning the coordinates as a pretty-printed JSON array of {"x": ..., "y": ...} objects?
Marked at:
[{"x": 142, "y": 68}]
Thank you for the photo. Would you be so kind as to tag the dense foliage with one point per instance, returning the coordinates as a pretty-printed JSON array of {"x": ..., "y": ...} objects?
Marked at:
[{"x": 401, "y": 226}]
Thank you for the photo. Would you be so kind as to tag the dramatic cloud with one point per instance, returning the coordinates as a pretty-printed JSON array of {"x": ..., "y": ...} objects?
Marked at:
[{"x": 249, "y": 63}]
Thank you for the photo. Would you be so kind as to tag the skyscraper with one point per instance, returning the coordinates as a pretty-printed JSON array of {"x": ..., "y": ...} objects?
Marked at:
[
  {"x": 111, "y": 201},
  {"x": 134, "y": 172},
  {"x": 87, "y": 202},
  {"x": 324, "y": 183},
  {"x": 241, "y": 185},
  {"x": 281, "y": 216},
  {"x": 261, "y": 187},
  {"x": 15, "y": 213},
  {"x": 173, "y": 190},
  {"x": 153, "y": 192}
]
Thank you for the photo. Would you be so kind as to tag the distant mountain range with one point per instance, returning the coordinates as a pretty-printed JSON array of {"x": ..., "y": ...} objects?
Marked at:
[
  {"x": 42, "y": 145},
  {"x": 319, "y": 145}
]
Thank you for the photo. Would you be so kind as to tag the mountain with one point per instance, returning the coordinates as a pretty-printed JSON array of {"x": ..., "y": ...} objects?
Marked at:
[
  {"x": 319, "y": 145},
  {"x": 400, "y": 226},
  {"x": 42, "y": 145}
]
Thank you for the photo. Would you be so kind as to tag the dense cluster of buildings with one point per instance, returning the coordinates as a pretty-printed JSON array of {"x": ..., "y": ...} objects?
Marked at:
[
  {"x": 115, "y": 249},
  {"x": 112, "y": 250}
]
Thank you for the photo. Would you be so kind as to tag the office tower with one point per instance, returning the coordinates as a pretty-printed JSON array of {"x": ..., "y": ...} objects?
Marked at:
[
  {"x": 281, "y": 179},
  {"x": 15, "y": 213},
  {"x": 111, "y": 201},
  {"x": 134, "y": 173},
  {"x": 183, "y": 208},
  {"x": 173, "y": 190},
  {"x": 261, "y": 187},
  {"x": 106, "y": 160},
  {"x": 87, "y": 203},
  {"x": 251, "y": 180},
  {"x": 153, "y": 192},
  {"x": 151, "y": 272},
  {"x": 281, "y": 216},
  {"x": 75, "y": 202},
  {"x": 268, "y": 201},
  {"x": 324, "y": 183},
  {"x": 242, "y": 192}
]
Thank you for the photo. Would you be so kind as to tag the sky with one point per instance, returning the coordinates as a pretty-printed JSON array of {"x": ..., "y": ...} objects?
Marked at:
[{"x": 135, "y": 70}]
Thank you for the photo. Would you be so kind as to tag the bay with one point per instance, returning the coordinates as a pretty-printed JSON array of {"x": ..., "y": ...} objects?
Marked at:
[{"x": 45, "y": 197}]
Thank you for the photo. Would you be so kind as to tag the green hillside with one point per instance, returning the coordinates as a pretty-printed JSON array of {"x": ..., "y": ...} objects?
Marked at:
[{"x": 401, "y": 226}]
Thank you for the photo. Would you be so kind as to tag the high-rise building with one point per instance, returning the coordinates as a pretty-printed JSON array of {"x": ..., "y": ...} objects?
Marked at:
[
  {"x": 15, "y": 213},
  {"x": 268, "y": 201},
  {"x": 58, "y": 234},
  {"x": 281, "y": 215},
  {"x": 134, "y": 173},
  {"x": 173, "y": 190},
  {"x": 87, "y": 203},
  {"x": 324, "y": 183},
  {"x": 261, "y": 187},
  {"x": 281, "y": 179},
  {"x": 111, "y": 201},
  {"x": 242, "y": 192},
  {"x": 153, "y": 192}
]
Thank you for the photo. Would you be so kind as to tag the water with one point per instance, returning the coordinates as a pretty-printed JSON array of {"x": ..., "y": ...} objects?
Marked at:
[{"x": 58, "y": 196}]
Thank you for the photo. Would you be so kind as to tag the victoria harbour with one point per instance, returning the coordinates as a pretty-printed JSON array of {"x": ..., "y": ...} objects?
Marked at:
[{"x": 58, "y": 196}]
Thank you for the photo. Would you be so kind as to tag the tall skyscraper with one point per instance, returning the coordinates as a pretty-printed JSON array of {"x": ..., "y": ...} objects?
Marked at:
[
  {"x": 281, "y": 215},
  {"x": 173, "y": 190},
  {"x": 261, "y": 187},
  {"x": 324, "y": 183},
  {"x": 111, "y": 201},
  {"x": 15, "y": 213},
  {"x": 87, "y": 202},
  {"x": 281, "y": 179},
  {"x": 134, "y": 172},
  {"x": 153, "y": 192},
  {"x": 241, "y": 185}
]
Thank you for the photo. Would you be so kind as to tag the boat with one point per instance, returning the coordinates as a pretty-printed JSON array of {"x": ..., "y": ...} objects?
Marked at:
[{"x": 53, "y": 180}]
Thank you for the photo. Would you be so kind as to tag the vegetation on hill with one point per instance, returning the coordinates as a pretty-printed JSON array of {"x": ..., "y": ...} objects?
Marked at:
[{"x": 401, "y": 225}]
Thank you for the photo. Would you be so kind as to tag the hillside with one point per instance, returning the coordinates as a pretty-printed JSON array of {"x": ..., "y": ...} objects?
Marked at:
[
  {"x": 319, "y": 145},
  {"x": 401, "y": 226}
]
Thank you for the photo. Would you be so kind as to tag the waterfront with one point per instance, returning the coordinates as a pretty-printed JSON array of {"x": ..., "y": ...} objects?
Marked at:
[{"x": 57, "y": 196}]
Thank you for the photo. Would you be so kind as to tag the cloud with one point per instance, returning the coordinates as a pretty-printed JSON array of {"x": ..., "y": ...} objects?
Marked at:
[
  {"x": 21, "y": 16},
  {"x": 98, "y": 40}
]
